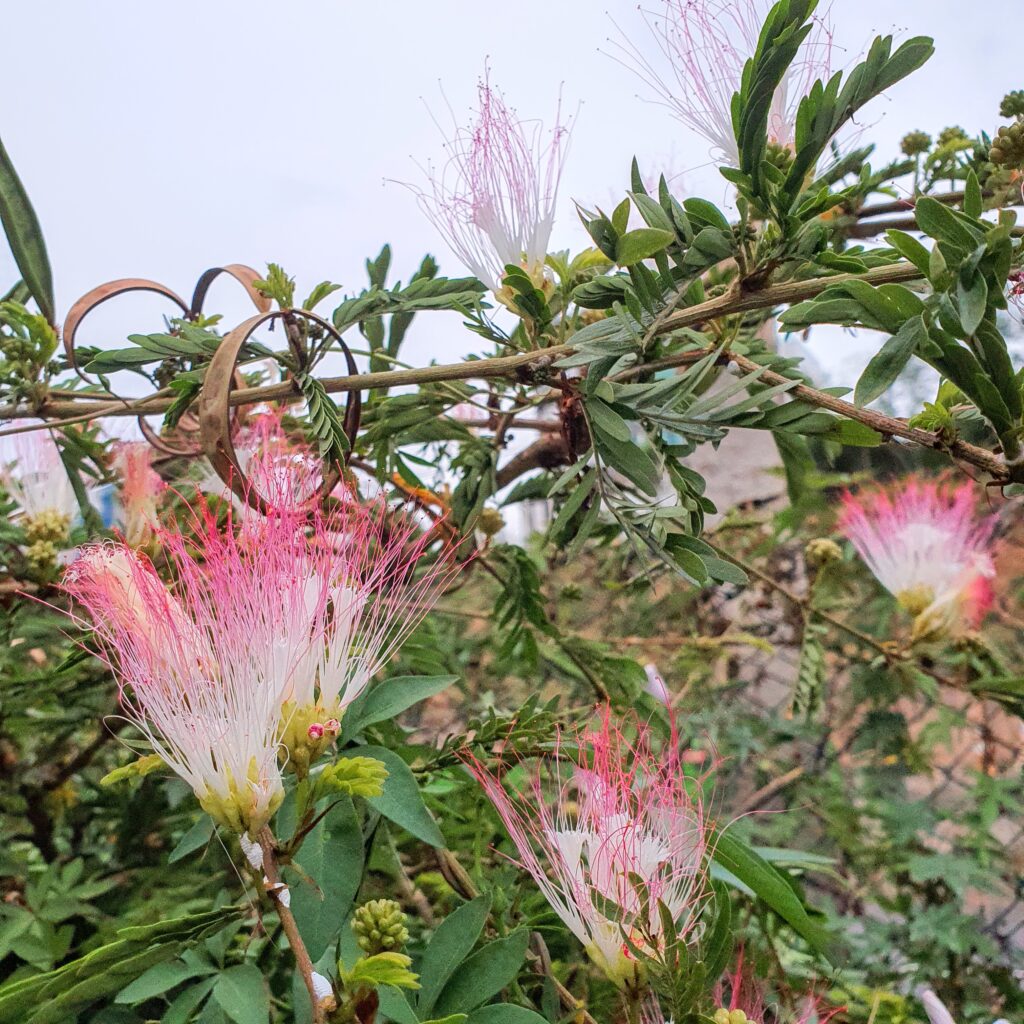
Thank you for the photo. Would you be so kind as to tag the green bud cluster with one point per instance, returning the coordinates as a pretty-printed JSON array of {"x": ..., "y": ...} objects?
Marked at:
[
  {"x": 1008, "y": 146},
  {"x": 954, "y": 133},
  {"x": 916, "y": 143},
  {"x": 42, "y": 557},
  {"x": 779, "y": 156},
  {"x": 48, "y": 525},
  {"x": 379, "y": 927},
  {"x": 821, "y": 551},
  {"x": 1013, "y": 104}
]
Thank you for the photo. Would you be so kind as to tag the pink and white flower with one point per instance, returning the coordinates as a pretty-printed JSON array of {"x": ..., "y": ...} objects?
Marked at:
[
  {"x": 286, "y": 474},
  {"x": 494, "y": 198},
  {"x": 927, "y": 547},
  {"x": 203, "y": 666},
  {"x": 141, "y": 487},
  {"x": 604, "y": 811},
  {"x": 360, "y": 585},
  {"x": 38, "y": 481},
  {"x": 702, "y": 47}
]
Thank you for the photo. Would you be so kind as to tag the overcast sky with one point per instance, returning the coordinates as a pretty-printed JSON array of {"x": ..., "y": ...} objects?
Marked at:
[{"x": 157, "y": 139}]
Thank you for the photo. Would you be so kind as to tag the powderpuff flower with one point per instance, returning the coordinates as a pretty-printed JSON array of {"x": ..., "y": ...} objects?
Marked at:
[
  {"x": 608, "y": 828},
  {"x": 740, "y": 998},
  {"x": 141, "y": 487},
  {"x": 494, "y": 198},
  {"x": 702, "y": 47},
  {"x": 362, "y": 583},
  {"x": 926, "y": 546},
  {"x": 284, "y": 473},
  {"x": 204, "y": 665},
  {"x": 39, "y": 483}
]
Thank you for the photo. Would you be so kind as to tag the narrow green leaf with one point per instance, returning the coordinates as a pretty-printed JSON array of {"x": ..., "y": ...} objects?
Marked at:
[
  {"x": 888, "y": 363},
  {"x": 484, "y": 974},
  {"x": 452, "y": 942},
  {"x": 332, "y": 855},
  {"x": 21, "y": 225},
  {"x": 769, "y": 885}
]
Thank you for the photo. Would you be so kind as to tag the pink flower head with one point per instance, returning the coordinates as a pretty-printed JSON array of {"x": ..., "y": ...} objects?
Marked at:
[
  {"x": 740, "y": 997},
  {"x": 494, "y": 199},
  {"x": 739, "y": 989},
  {"x": 286, "y": 474},
  {"x": 373, "y": 588},
  {"x": 37, "y": 479},
  {"x": 141, "y": 486},
  {"x": 203, "y": 666},
  {"x": 703, "y": 46},
  {"x": 602, "y": 813},
  {"x": 925, "y": 544}
]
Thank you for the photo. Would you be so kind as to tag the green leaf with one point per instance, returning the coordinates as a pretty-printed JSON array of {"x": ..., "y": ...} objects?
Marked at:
[
  {"x": 392, "y": 696},
  {"x": 910, "y": 249},
  {"x": 194, "y": 839},
  {"x": 607, "y": 419},
  {"x": 21, "y": 225},
  {"x": 325, "y": 425},
  {"x": 401, "y": 801},
  {"x": 484, "y": 974},
  {"x": 452, "y": 942},
  {"x": 381, "y": 969},
  {"x": 57, "y": 996},
  {"x": 138, "y": 768},
  {"x": 973, "y": 206},
  {"x": 941, "y": 223},
  {"x": 157, "y": 980},
  {"x": 769, "y": 886},
  {"x": 972, "y": 300},
  {"x": 180, "y": 1011},
  {"x": 888, "y": 363},
  {"x": 332, "y": 855},
  {"x": 241, "y": 992},
  {"x": 394, "y": 1005},
  {"x": 641, "y": 244}
]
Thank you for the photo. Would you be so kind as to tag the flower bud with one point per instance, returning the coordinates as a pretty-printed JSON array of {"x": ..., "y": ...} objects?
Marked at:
[
  {"x": 490, "y": 522},
  {"x": 916, "y": 143},
  {"x": 380, "y": 927},
  {"x": 1013, "y": 104},
  {"x": 821, "y": 551},
  {"x": 1008, "y": 146}
]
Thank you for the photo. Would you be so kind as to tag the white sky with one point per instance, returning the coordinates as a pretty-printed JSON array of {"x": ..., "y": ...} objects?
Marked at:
[{"x": 159, "y": 139}]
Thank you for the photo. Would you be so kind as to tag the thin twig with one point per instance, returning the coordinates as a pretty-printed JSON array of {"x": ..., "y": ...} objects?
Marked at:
[{"x": 288, "y": 923}]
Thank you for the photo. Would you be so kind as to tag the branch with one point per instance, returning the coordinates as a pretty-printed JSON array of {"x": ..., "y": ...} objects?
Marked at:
[
  {"x": 291, "y": 929},
  {"x": 522, "y": 363}
]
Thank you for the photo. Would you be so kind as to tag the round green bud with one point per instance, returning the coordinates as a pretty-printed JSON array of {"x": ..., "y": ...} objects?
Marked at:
[
  {"x": 779, "y": 156},
  {"x": 822, "y": 550},
  {"x": 1008, "y": 146},
  {"x": 1013, "y": 104},
  {"x": 954, "y": 133},
  {"x": 915, "y": 143},
  {"x": 380, "y": 927}
]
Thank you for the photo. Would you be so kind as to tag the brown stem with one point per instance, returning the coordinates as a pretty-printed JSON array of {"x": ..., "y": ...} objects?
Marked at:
[
  {"x": 480, "y": 369},
  {"x": 302, "y": 959},
  {"x": 887, "y": 425}
]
